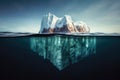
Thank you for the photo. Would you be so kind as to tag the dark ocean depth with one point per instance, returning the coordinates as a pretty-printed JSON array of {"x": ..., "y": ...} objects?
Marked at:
[{"x": 19, "y": 62}]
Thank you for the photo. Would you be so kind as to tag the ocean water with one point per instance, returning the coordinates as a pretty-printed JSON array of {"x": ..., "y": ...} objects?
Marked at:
[{"x": 20, "y": 62}]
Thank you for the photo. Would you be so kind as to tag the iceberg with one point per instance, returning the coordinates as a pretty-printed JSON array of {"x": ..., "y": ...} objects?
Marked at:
[{"x": 60, "y": 48}]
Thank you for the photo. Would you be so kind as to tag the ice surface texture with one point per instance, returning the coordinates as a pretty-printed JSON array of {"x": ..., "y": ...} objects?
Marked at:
[
  {"x": 63, "y": 50},
  {"x": 51, "y": 23}
]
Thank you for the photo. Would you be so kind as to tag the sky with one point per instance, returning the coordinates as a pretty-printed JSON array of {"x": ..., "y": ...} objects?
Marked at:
[{"x": 26, "y": 15}]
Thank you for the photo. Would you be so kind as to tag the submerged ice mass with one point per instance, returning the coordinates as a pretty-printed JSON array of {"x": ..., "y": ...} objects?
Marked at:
[{"x": 63, "y": 50}]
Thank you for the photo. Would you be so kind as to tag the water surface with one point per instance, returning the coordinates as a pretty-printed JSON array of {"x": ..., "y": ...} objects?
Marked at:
[{"x": 19, "y": 61}]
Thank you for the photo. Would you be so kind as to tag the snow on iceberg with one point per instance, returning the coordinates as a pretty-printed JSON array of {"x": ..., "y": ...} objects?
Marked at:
[{"x": 51, "y": 23}]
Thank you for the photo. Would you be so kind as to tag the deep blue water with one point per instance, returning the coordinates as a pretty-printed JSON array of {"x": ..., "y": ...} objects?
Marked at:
[{"x": 19, "y": 62}]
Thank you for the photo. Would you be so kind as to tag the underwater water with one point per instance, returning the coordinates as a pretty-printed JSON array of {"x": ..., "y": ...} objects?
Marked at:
[{"x": 78, "y": 57}]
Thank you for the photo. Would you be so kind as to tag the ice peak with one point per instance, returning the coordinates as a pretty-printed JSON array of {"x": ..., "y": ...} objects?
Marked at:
[
  {"x": 52, "y": 23},
  {"x": 67, "y": 19},
  {"x": 48, "y": 21},
  {"x": 67, "y": 16},
  {"x": 50, "y": 14}
]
